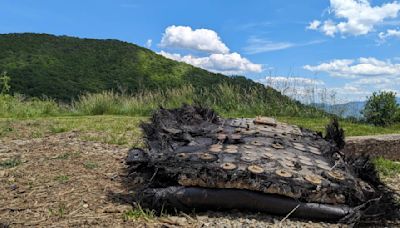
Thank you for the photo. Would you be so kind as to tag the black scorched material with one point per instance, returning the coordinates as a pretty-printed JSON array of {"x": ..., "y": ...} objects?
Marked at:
[{"x": 193, "y": 155}]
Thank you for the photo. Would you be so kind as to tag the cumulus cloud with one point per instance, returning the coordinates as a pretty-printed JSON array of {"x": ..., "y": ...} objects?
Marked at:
[
  {"x": 231, "y": 63},
  {"x": 184, "y": 37},
  {"x": 389, "y": 33},
  {"x": 148, "y": 43},
  {"x": 214, "y": 54},
  {"x": 355, "y": 17},
  {"x": 365, "y": 76},
  {"x": 314, "y": 25},
  {"x": 362, "y": 67}
]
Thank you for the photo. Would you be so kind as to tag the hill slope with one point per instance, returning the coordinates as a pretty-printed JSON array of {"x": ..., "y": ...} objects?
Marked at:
[{"x": 63, "y": 68}]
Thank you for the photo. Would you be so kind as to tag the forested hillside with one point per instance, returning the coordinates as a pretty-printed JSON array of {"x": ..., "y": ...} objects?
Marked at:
[{"x": 63, "y": 68}]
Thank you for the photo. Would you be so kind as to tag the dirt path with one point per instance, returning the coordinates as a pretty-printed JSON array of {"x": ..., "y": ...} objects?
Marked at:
[{"x": 62, "y": 181}]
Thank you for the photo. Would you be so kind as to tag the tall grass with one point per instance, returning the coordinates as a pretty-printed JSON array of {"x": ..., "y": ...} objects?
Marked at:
[
  {"x": 226, "y": 99},
  {"x": 20, "y": 107},
  {"x": 142, "y": 104},
  {"x": 229, "y": 100}
]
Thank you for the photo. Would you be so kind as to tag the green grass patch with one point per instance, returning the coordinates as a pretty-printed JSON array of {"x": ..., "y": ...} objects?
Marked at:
[
  {"x": 350, "y": 129},
  {"x": 119, "y": 130},
  {"x": 62, "y": 178},
  {"x": 90, "y": 165},
  {"x": 139, "y": 213},
  {"x": 55, "y": 129},
  {"x": 386, "y": 167},
  {"x": 5, "y": 128},
  {"x": 59, "y": 211},
  {"x": 10, "y": 163},
  {"x": 68, "y": 155}
]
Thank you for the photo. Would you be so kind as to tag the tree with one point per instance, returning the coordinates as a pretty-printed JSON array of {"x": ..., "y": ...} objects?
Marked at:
[{"x": 381, "y": 108}]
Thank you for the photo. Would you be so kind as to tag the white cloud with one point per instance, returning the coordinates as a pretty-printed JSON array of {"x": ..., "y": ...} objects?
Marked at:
[
  {"x": 389, "y": 33},
  {"x": 306, "y": 90},
  {"x": 148, "y": 43},
  {"x": 256, "y": 45},
  {"x": 218, "y": 59},
  {"x": 366, "y": 76},
  {"x": 185, "y": 37},
  {"x": 314, "y": 25},
  {"x": 299, "y": 81},
  {"x": 356, "y": 17},
  {"x": 231, "y": 63},
  {"x": 363, "y": 67},
  {"x": 329, "y": 28}
]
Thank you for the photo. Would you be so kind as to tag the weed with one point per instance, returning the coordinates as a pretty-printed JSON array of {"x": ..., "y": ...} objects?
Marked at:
[
  {"x": 118, "y": 139},
  {"x": 5, "y": 128},
  {"x": 139, "y": 213},
  {"x": 59, "y": 212},
  {"x": 67, "y": 155},
  {"x": 55, "y": 129},
  {"x": 90, "y": 165},
  {"x": 387, "y": 168},
  {"x": 62, "y": 178},
  {"x": 10, "y": 163},
  {"x": 37, "y": 134}
]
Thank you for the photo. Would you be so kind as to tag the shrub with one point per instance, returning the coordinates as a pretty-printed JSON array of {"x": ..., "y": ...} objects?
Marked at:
[{"x": 381, "y": 109}]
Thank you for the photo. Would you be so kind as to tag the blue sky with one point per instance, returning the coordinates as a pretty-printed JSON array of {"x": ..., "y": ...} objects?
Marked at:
[{"x": 348, "y": 47}]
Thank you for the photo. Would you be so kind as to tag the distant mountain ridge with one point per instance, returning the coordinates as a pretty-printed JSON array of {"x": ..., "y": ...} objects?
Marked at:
[{"x": 348, "y": 109}]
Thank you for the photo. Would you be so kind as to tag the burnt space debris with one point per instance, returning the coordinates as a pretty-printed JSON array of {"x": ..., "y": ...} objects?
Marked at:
[{"x": 196, "y": 160}]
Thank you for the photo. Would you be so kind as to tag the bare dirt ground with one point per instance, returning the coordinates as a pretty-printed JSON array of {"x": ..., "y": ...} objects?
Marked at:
[{"x": 61, "y": 180}]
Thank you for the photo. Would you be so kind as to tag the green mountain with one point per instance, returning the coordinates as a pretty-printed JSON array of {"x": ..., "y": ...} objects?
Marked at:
[{"x": 63, "y": 68}]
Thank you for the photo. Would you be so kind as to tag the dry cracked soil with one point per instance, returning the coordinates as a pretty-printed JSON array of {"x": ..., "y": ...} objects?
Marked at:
[{"x": 62, "y": 180}]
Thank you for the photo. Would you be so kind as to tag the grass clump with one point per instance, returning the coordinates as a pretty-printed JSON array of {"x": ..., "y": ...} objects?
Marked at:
[
  {"x": 56, "y": 129},
  {"x": 10, "y": 163},
  {"x": 90, "y": 165},
  {"x": 68, "y": 155},
  {"x": 386, "y": 167},
  {"x": 18, "y": 106},
  {"x": 139, "y": 213},
  {"x": 62, "y": 178},
  {"x": 59, "y": 211}
]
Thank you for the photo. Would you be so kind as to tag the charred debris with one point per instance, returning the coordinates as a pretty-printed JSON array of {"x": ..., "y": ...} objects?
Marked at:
[{"x": 196, "y": 160}]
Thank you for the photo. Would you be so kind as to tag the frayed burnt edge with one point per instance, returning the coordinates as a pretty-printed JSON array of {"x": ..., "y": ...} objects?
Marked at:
[
  {"x": 166, "y": 124},
  {"x": 335, "y": 134},
  {"x": 378, "y": 210}
]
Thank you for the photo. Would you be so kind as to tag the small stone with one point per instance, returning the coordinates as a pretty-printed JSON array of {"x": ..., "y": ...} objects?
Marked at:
[
  {"x": 13, "y": 187},
  {"x": 85, "y": 205},
  {"x": 3, "y": 173}
]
